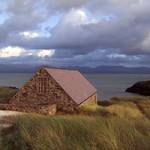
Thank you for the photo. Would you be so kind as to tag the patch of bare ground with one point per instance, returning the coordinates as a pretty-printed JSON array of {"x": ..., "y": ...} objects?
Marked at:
[{"x": 6, "y": 118}]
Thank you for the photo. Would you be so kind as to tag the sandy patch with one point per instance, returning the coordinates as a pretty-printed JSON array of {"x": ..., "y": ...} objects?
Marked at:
[
  {"x": 5, "y": 113},
  {"x": 5, "y": 118}
]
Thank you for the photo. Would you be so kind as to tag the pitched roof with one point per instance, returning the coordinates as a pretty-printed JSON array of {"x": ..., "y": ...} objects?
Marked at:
[{"x": 73, "y": 83}]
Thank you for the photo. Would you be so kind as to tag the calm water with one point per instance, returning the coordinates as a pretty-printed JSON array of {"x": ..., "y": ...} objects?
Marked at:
[{"x": 108, "y": 85}]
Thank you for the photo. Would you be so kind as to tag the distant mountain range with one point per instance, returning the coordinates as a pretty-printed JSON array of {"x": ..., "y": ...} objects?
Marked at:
[
  {"x": 5, "y": 68},
  {"x": 115, "y": 69}
]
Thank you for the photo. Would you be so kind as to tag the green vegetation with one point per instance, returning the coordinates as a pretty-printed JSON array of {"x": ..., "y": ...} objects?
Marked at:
[
  {"x": 120, "y": 124},
  {"x": 6, "y": 93}
]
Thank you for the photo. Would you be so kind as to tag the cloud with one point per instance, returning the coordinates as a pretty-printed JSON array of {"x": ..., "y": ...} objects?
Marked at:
[
  {"x": 77, "y": 17},
  {"x": 83, "y": 29},
  {"x": 28, "y": 34},
  {"x": 45, "y": 53},
  {"x": 11, "y": 52}
]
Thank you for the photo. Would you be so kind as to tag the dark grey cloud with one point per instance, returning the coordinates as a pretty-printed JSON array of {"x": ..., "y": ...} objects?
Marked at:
[{"x": 84, "y": 30}]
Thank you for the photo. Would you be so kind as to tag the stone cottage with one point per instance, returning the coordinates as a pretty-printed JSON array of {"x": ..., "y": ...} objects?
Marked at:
[{"x": 65, "y": 89}]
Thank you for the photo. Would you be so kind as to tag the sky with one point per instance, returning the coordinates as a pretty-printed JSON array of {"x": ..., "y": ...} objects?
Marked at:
[{"x": 75, "y": 32}]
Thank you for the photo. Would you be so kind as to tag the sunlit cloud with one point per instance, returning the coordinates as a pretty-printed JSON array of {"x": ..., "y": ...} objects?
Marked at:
[
  {"x": 77, "y": 17},
  {"x": 45, "y": 53},
  {"x": 11, "y": 52}
]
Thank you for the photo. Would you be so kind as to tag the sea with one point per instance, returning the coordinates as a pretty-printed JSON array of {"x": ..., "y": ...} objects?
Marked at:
[{"x": 107, "y": 85}]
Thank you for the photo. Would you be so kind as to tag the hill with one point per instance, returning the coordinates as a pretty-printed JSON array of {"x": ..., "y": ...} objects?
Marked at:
[{"x": 25, "y": 68}]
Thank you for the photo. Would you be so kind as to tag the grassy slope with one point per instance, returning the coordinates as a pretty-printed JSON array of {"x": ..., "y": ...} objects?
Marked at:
[
  {"x": 6, "y": 93},
  {"x": 142, "y": 103},
  {"x": 121, "y": 125},
  {"x": 78, "y": 133}
]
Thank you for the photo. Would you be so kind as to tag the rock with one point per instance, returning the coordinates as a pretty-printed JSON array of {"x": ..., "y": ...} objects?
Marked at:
[
  {"x": 12, "y": 87},
  {"x": 142, "y": 87}
]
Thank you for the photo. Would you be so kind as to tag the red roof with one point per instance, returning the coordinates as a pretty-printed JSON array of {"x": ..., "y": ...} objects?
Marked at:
[{"x": 73, "y": 83}]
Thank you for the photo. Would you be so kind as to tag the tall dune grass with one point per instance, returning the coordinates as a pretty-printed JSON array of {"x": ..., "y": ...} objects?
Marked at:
[
  {"x": 121, "y": 109},
  {"x": 142, "y": 103},
  {"x": 35, "y": 132}
]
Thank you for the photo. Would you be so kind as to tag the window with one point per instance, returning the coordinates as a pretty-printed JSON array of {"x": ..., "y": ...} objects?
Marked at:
[{"x": 42, "y": 85}]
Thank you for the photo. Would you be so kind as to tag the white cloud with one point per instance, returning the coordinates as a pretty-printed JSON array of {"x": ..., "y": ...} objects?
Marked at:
[
  {"x": 77, "y": 17},
  {"x": 19, "y": 51},
  {"x": 29, "y": 34},
  {"x": 45, "y": 53},
  {"x": 11, "y": 52}
]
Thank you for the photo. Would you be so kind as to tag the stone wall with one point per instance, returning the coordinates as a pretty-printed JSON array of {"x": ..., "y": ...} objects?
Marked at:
[
  {"x": 47, "y": 110},
  {"x": 34, "y": 94},
  {"x": 91, "y": 100}
]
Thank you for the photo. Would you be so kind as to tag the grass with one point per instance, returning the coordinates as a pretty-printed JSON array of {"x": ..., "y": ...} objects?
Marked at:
[
  {"x": 141, "y": 102},
  {"x": 120, "y": 124},
  {"x": 75, "y": 132},
  {"x": 6, "y": 93},
  {"x": 145, "y": 107},
  {"x": 122, "y": 107}
]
